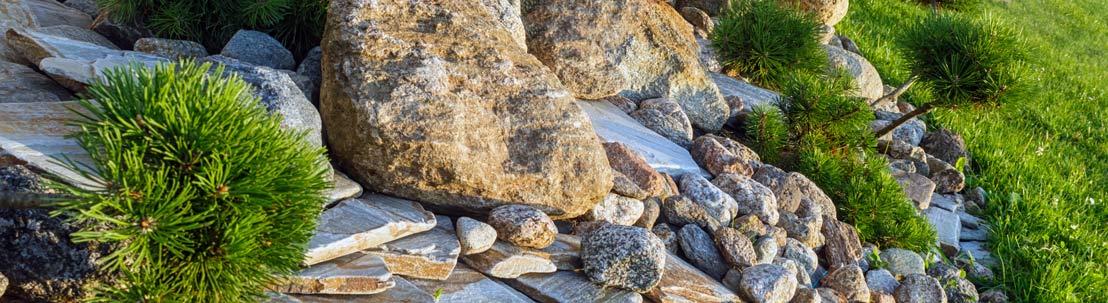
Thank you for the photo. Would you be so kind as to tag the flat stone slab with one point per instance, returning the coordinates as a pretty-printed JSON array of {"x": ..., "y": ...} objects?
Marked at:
[
  {"x": 356, "y": 273},
  {"x": 362, "y": 223},
  {"x": 613, "y": 125},
  {"x": 569, "y": 287},
  {"x": 428, "y": 255},
  {"x": 34, "y": 134},
  {"x": 467, "y": 285},
  {"x": 505, "y": 260},
  {"x": 21, "y": 84},
  {"x": 948, "y": 226},
  {"x": 404, "y": 291},
  {"x": 968, "y": 234},
  {"x": 565, "y": 252},
  {"x": 751, "y": 95},
  {"x": 681, "y": 282},
  {"x": 951, "y": 203},
  {"x": 917, "y": 187}
]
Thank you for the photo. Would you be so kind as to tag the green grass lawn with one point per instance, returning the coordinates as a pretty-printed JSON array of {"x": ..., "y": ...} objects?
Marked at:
[{"x": 1043, "y": 157}]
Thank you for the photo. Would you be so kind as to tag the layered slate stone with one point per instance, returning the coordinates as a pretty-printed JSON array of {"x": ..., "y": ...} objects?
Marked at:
[
  {"x": 752, "y": 96},
  {"x": 948, "y": 226},
  {"x": 428, "y": 255},
  {"x": 396, "y": 96},
  {"x": 569, "y": 287},
  {"x": 467, "y": 285},
  {"x": 33, "y": 134},
  {"x": 74, "y": 64},
  {"x": 682, "y": 282},
  {"x": 614, "y": 125},
  {"x": 365, "y": 222},
  {"x": 35, "y": 14},
  {"x": 565, "y": 252},
  {"x": 504, "y": 260},
  {"x": 355, "y": 273},
  {"x": 21, "y": 84}
]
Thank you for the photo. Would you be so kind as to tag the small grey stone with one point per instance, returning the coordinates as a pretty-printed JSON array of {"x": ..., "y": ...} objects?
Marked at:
[
  {"x": 523, "y": 226},
  {"x": 849, "y": 281},
  {"x": 260, "y": 49},
  {"x": 668, "y": 236},
  {"x": 848, "y": 44},
  {"x": 666, "y": 118},
  {"x": 902, "y": 262},
  {"x": 616, "y": 209},
  {"x": 806, "y": 295},
  {"x": 948, "y": 226},
  {"x": 948, "y": 179},
  {"x": 732, "y": 280},
  {"x": 701, "y": 251},
  {"x": 624, "y": 256},
  {"x": 977, "y": 271},
  {"x": 169, "y": 48},
  {"x": 767, "y": 283},
  {"x": 911, "y": 131},
  {"x": 956, "y": 288},
  {"x": 766, "y": 248},
  {"x": 903, "y": 150},
  {"x": 994, "y": 296},
  {"x": 919, "y": 288},
  {"x": 312, "y": 67},
  {"x": 475, "y": 236},
  {"x": 752, "y": 197},
  {"x": 624, "y": 186},
  {"x": 719, "y": 204},
  {"x": 86, "y": 6},
  {"x": 867, "y": 253},
  {"x": 917, "y": 187},
  {"x": 802, "y": 277},
  {"x": 803, "y": 255},
  {"x": 881, "y": 281},
  {"x": 736, "y": 248},
  {"x": 584, "y": 228},
  {"x": 804, "y": 229},
  {"x": 750, "y": 225},
  {"x": 652, "y": 207},
  {"x": 680, "y": 210}
]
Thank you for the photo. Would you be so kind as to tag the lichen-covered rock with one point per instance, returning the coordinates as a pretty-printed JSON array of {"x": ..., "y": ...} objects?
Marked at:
[
  {"x": 919, "y": 288},
  {"x": 701, "y": 251},
  {"x": 258, "y": 48},
  {"x": 523, "y": 226},
  {"x": 849, "y": 281},
  {"x": 736, "y": 248},
  {"x": 791, "y": 189},
  {"x": 475, "y": 236},
  {"x": 841, "y": 244},
  {"x": 768, "y": 283},
  {"x": 616, "y": 209},
  {"x": 902, "y": 262},
  {"x": 394, "y": 97},
  {"x": 169, "y": 48},
  {"x": 665, "y": 117},
  {"x": 711, "y": 154},
  {"x": 641, "y": 49},
  {"x": 719, "y": 205},
  {"x": 752, "y": 197},
  {"x": 624, "y": 256}
]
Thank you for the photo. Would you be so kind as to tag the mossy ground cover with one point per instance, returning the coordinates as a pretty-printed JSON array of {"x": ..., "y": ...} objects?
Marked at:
[{"x": 1043, "y": 156}]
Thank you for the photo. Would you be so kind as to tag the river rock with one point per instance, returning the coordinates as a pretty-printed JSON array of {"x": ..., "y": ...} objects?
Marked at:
[
  {"x": 428, "y": 255},
  {"x": 768, "y": 283},
  {"x": 919, "y": 288},
  {"x": 698, "y": 248},
  {"x": 752, "y": 197},
  {"x": 19, "y": 84},
  {"x": 614, "y": 126},
  {"x": 504, "y": 260},
  {"x": 569, "y": 287},
  {"x": 475, "y": 236},
  {"x": 616, "y": 209},
  {"x": 258, "y": 48},
  {"x": 682, "y": 282},
  {"x": 624, "y": 256},
  {"x": 392, "y": 113},
  {"x": 638, "y": 48},
  {"x": 523, "y": 226},
  {"x": 361, "y": 223},
  {"x": 356, "y": 273}
]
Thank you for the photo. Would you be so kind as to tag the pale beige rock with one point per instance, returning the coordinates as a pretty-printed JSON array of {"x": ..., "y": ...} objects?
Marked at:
[
  {"x": 34, "y": 14},
  {"x": 682, "y": 282},
  {"x": 569, "y": 287},
  {"x": 504, "y": 260},
  {"x": 865, "y": 75},
  {"x": 361, "y": 223},
  {"x": 616, "y": 209},
  {"x": 459, "y": 117},
  {"x": 475, "y": 236},
  {"x": 829, "y": 12},
  {"x": 343, "y": 187},
  {"x": 641, "y": 49},
  {"x": 20, "y": 84},
  {"x": 428, "y": 255},
  {"x": 34, "y": 134},
  {"x": 355, "y": 273}
]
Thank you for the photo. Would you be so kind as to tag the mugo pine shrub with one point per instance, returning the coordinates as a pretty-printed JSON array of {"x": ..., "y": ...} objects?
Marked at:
[
  {"x": 298, "y": 24},
  {"x": 964, "y": 61},
  {"x": 816, "y": 130},
  {"x": 765, "y": 42},
  {"x": 205, "y": 195}
]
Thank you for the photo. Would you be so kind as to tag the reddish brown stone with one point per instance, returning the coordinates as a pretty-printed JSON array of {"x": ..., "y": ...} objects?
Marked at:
[
  {"x": 624, "y": 160},
  {"x": 709, "y": 153},
  {"x": 841, "y": 244}
]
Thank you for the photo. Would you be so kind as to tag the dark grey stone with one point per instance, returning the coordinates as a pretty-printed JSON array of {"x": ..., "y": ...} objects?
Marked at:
[
  {"x": 258, "y": 48},
  {"x": 279, "y": 94},
  {"x": 624, "y": 256},
  {"x": 701, "y": 251}
]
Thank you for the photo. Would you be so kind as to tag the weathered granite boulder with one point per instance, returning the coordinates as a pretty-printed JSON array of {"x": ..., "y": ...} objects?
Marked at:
[
  {"x": 624, "y": 256},
  {"x": 668, "y": 235},
  {"x": 652, "y": 208},
  {"x": 881, "y": 281},
  {"x": 624, "y": 186},
  {"x": 641, "y": 49},
  {"x": 523, "y": 226},
  {"x": 768, "y": 283},
  {"x": 394, "y": 97},
  {"x": 19, "y": 83},
  {"x": 718, "y": 159},
  {"x": 736, "y": 248},
  {"x": 259, "y": 48},
  {"x": 945, "y": 145},
  {"x": 629, "y": 163}
]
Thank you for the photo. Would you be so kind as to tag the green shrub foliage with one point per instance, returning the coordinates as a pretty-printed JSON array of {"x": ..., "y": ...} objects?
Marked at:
[
  {"x": 964, "y": 60},
  {"x": 205, "y": 195},
  {"x": 825, "y": 135},
  {"x": 296, "y": 23},
  {"x": 766, "y": 42}
]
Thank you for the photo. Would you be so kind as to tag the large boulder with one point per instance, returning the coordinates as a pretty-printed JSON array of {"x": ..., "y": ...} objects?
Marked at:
[
  {"x": 459, "y": 117},
  {"x": 641, "y": 49}
]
